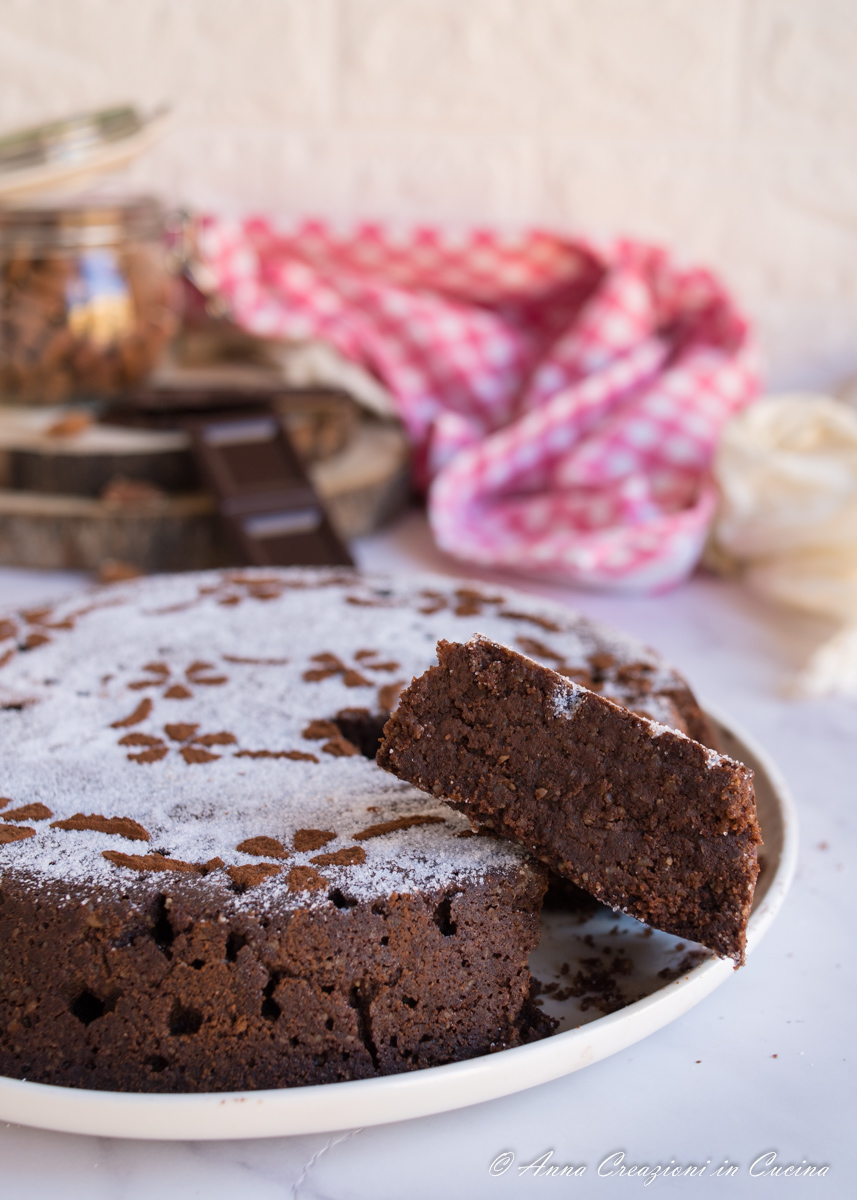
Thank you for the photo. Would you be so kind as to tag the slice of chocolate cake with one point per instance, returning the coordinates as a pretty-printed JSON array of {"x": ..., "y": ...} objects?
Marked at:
[{"x": 640, "y": 815}]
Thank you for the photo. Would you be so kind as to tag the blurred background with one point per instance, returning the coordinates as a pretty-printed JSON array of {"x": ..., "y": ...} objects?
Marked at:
[
  {"x": 717, "y": 136},
  {"x": 724, "y": 128}
]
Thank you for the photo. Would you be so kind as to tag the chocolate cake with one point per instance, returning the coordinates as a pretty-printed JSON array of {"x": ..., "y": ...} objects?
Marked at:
[
  {"x": 643, "y": 817},
  {"x": 206, "y": 881}
]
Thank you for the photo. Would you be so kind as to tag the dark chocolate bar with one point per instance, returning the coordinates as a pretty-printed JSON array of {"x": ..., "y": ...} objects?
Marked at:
[{"x": 268, "y": 504}]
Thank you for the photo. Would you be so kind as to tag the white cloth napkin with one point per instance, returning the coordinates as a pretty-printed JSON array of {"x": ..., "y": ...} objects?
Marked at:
[{"x": 787, "y": 520}]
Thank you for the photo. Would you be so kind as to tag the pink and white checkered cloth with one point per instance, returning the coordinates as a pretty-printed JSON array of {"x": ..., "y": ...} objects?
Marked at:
[{"x": 563, "y": 399}]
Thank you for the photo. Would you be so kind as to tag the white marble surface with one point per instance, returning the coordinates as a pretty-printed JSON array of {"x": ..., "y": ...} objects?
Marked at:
[{"x": 764, "y": 1064}]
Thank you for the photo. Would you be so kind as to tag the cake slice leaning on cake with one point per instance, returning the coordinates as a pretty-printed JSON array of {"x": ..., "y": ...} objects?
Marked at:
[{"x": 640, "y": 815}]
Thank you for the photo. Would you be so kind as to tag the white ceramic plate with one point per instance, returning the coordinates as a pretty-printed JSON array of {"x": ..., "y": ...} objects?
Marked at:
[{"x": 654, "y": 977}]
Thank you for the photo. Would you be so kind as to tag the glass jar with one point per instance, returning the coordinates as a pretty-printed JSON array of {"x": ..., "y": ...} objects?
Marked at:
[{"x": 87, "y": 300}]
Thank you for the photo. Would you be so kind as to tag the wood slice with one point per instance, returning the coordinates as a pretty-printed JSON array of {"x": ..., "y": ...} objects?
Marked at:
[
  {"x": 83, "y": 462},
  {"x": 35, "y": 459},
  {"x": 368, "y": 483},
  {"x": 363, "y": 486},
  {"x": 75, "y": 532},
  {"x": 89, "y": 474}
]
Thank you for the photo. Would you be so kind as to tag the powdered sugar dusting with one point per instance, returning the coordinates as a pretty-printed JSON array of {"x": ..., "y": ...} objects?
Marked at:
[
  {"x": 182, "y": 703},
  {"x": 656, "y": 729},
  {"x": 567, "y": 699},
  {"x": 712, "y": 758}
]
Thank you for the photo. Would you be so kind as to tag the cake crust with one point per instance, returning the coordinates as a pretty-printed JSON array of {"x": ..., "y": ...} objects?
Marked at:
[
  {"x": 173, "y": 987},
  {"x": 639, "y": 815}
]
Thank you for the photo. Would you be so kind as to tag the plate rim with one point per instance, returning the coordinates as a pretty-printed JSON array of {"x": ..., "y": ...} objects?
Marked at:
[{"x": 329, "y": 1107}]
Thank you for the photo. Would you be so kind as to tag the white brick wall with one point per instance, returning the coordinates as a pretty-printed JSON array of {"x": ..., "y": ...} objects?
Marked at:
[{"x": 727, "y": 128}]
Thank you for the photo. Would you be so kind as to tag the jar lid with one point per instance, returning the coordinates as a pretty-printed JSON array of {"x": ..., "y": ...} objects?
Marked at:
[
  {"x": 87, "y": 221},
  {"x": 70, "y": 152}
]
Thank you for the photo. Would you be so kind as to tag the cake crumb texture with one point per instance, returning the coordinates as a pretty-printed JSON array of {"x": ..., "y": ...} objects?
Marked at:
[{"x": 641, "y": 816}]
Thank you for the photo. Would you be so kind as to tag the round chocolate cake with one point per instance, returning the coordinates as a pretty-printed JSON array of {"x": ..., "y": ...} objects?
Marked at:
[{"x": 207, "y": 883}]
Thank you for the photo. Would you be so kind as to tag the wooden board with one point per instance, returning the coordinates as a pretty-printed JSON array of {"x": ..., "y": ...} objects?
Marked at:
[{"x": 362, "y": 487}]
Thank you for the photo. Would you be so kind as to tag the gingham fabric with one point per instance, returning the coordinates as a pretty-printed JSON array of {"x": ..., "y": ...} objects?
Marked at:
[{"x": 563, "y": 399}]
